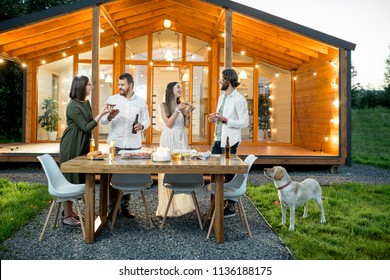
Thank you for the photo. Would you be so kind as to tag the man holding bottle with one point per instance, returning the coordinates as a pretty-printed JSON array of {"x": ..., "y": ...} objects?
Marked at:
[
  {"x": 129, "y": 116},
  {"x": 230, "y": 117}
]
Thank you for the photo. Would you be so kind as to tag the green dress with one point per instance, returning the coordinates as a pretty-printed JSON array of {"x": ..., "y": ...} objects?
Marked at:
[{"x": 75, "y": 140}]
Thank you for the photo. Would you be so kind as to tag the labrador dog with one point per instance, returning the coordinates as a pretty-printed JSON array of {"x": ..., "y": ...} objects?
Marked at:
[{"x": 293, "y": 194}]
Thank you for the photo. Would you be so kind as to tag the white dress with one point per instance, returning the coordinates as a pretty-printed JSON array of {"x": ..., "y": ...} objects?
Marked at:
[{"x": 181, "y": 203}]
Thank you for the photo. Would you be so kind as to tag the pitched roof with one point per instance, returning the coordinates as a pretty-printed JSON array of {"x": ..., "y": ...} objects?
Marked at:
[{"x": 265, "y": 37}]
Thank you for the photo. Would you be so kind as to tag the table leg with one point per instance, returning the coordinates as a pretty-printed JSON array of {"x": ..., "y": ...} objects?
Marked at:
[
  {"x": 104, "y": 182},
  {"x": 89, "y": 207},
  {"x": 219, "y": 203}
]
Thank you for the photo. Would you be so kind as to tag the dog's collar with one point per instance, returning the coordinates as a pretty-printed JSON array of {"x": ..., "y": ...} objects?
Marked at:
[{"x": 284, "y": 186}]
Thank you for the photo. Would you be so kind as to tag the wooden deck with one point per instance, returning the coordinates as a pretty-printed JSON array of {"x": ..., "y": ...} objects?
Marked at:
[{"x": 267, "y": 155}]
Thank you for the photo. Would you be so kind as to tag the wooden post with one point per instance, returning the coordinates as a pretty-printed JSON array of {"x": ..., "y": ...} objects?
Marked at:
[
  {"x": 228, "y": 39},
  {"x": 95, "y": 96}
]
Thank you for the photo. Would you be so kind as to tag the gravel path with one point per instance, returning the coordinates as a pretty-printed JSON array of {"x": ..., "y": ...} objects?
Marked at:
[{"x": 180, "y": 239}]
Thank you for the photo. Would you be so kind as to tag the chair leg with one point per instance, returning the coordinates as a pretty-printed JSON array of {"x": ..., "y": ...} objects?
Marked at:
[
  {"x": 197, "y": 209},
  {"x": 211, "y": 225},
  {"x": 57, "y": 213},
  {"x": 210, "y": 211},
  {"x": 81, "y": 217},
  {"x": 116, "y": 209},
  {"x": 166, "y": 210},
  {"x": 245, "y": 219},
  {"x": 47, "y": 219},
  {"x": 146, "y": 208},
  {"x": 240, "y": 210}
]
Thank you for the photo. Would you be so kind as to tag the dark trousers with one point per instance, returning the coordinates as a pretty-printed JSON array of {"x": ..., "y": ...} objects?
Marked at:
[{"x": 217, "y": 149}]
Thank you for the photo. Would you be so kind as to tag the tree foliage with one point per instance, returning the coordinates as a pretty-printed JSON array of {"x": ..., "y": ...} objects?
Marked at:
[{"x": 11, "y": 102}]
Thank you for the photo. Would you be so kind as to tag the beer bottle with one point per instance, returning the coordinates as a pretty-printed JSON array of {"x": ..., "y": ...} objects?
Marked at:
[
  {"x": 134, "y": 123},
  {"x": 91, "y": 144},
  {"x": 112, "y": 149},
  {"x": 227, "y": 148}
]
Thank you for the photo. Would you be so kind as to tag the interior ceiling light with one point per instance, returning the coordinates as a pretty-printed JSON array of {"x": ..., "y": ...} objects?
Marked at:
[{"x": 167, "y": 24}]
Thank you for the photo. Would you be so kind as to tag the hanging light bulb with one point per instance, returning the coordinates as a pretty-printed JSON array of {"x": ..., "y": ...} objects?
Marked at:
[
  {"x": 185, "y": 77},
  {"x": 167, "y": 24},
  {"x": 277, "y": 74},
  {"x": 243, "y": 75},
  {"x": 108, "y": 78},
  {"x": 168, "y": 55}
]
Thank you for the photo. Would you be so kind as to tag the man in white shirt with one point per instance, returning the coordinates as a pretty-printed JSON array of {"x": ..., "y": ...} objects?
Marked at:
[
  {"x": 231, "y": 116},
  {"x": 127, "y": 106}
]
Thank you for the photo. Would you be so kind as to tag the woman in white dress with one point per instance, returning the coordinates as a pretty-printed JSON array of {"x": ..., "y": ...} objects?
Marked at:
[{"x": 176, "y": 116}]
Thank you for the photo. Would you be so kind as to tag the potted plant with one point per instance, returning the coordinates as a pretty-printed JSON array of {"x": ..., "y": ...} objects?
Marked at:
[{"x": 50, "y": 117}]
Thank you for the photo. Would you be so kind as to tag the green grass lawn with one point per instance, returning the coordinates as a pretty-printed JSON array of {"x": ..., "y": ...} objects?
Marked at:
[
  {"x": 19, "y": 203},
  {"x": 357, "y": 228},
  {"x": 371, "y": 136}
]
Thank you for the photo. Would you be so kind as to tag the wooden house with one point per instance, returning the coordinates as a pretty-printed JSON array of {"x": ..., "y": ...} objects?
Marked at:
[{"x": 297, "y": 80}]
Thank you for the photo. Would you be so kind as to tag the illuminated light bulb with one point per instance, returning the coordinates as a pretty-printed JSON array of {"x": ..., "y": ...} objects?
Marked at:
[
  {"x": 270, "y": 108},
  {"x": 257, "y": 66},
  {"x": 331, "y": 120},
  {"x": 172, "y": 64},
  {"x": 24, "y": 65},
  {"x": 43, "y": 61},
  {"x": 80, "y": 42},
  {"x": 277, "y": 74},
  {"x": 295, "y": 77},
  {"x": 336, "y": 103},
  {"x": 115, "y": 44},
  {"x": 223, "y": 35},
  {"x": 1, "y": 60},
  {"x": 326, "y": 138},
  {"x": 314, "y": 72},
  {"x": 63, "y": 53},
  {"x": 208, "y": 48},
  {"x": 132, "y": 56},
  {"x": 151, "y": 62},
  {"x": 242, "y": 52},
  {"x": 167, "y": 24},
  {"x": 193, "y": 56}
]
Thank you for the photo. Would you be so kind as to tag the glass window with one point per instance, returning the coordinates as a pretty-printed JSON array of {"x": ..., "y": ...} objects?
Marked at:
[
  {"x": 167, "y": 45},
  {"x": 200, "y": 100},
  {"x": 196, "y": 50},
  {"x": 106, "y": 80},
  {"x": 54, "y": 80},
  {"x": 137, "y": 48},
  {"x": 274, "y": 104}
]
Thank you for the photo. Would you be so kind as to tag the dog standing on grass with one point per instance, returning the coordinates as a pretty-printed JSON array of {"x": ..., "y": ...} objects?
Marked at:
[{"x": 293, "y": 194}]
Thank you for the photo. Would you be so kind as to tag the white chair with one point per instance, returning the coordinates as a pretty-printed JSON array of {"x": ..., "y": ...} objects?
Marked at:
[
  {"x": 130, "y": 183},
  {"x": 60, "y": 188},
  {"x": 187, "y": 184},
  {"x": 233, "y": 190}
]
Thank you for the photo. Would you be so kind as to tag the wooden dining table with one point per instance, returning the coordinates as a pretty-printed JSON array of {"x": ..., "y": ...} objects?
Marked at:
[{"x": 215, "y": 165}]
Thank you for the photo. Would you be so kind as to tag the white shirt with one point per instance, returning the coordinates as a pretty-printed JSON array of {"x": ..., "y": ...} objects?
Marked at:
[
  {"x": 122, "y": 124},
  {"x": 235, "y": 110}
]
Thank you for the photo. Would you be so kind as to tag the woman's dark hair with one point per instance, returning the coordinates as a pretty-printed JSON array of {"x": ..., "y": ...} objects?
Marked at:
[
  {"x": 230, "y": 75},
  {"x": 77, "y": 90},
  {"x": 170, "y": 101}
]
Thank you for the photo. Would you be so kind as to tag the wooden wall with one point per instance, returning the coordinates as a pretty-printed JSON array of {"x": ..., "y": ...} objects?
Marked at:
[{"x": 316, "y": 115}]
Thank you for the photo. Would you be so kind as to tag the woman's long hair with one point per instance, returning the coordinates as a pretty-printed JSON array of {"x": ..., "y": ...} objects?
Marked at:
[
  {"x": 77, "y": 90},
  {"x": 170, "y": 100}
]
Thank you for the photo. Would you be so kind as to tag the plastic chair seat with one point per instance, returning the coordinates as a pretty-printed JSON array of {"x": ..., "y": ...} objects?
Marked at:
[
  {"x": 127, "y": 184},
  {"x": 233, "y": 190},
  {"x": 61, "y": 189}
]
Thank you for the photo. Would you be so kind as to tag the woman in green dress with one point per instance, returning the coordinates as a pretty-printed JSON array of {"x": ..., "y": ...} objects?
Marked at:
[{"x": 75, "y": 140}]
